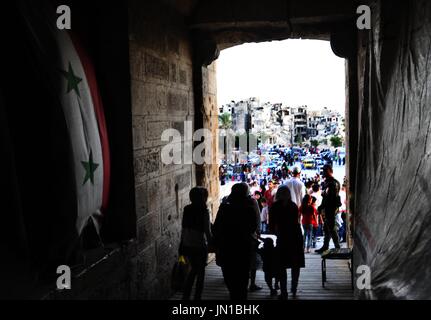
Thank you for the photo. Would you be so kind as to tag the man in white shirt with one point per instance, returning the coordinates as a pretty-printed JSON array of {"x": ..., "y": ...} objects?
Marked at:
[{"x": 296, "y": 186}]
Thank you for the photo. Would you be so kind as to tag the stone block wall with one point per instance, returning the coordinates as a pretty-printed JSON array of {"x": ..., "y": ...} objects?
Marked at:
[
  {"x": 211, "y": 180},
  {"x": 162, "y": 98}
]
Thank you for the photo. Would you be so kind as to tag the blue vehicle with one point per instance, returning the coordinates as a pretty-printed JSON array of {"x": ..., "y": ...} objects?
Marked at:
[
  {"x": 298, "y": 150},
  {"x": 319, "y": 161}
]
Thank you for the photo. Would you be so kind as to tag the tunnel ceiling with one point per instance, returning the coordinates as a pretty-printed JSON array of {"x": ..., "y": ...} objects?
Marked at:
[{"x": 230, "y": 23}]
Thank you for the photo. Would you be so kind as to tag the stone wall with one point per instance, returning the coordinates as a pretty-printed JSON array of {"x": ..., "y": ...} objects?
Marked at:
[
  {"x": 162, "y": 98},
  {"x": 210, "y": 117}
]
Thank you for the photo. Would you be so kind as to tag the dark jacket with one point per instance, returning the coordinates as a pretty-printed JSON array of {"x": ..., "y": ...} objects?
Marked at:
[
  {"x": 235, "y": 231},
  {"x": 284, "y": 223},
  {"x": 196, "y": 231},
  {"x": 271, "y": 260},
  {"x": 330, "y": 199}
]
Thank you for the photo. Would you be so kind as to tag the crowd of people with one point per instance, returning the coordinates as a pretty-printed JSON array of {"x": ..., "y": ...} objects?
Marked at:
[
  {"x": 293, "y": 211},
  {"x": 279, "y": 169}
]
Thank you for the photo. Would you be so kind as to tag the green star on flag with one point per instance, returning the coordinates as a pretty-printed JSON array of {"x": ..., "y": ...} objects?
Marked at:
[
  {"x": 89, "y": 167},
  {"x": 72, "y": 80}
]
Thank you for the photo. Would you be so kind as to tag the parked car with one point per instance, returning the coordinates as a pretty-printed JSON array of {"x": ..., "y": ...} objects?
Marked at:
[
  {"x": 300, "y": 152},
  {"x": 327, "y": 156},
  {"x": 319, "y": 161},
  {"x": 273, "y": 155},
  {"x": 270, "y": 165},
  {"x": 255, "y": 160},
  {"x": 308, "y": 163}
]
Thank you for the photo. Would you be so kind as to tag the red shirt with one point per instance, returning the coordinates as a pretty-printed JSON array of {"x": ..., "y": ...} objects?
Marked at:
[
  {"x": 309, "y": 215},
  {"x": 269, "y": 198}
]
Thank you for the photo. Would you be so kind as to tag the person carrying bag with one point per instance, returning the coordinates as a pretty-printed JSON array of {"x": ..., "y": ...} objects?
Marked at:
[
  {"x": 179, "y": 273},
  {"x": 195, "y": 236}
]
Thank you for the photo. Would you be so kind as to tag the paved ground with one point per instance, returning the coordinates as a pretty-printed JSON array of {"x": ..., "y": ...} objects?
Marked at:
[{"x": 337, "y": 287}]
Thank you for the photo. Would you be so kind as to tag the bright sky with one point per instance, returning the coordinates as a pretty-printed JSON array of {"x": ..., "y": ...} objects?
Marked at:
[{"x": 296, "y": 72}]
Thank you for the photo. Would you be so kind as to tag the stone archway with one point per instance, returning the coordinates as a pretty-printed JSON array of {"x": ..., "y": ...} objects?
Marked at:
[{"x": 278, "y": 23}]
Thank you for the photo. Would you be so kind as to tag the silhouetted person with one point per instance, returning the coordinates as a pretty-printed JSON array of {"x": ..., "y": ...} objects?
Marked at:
[
  {"x": 263, "y": 187},
  {"x": 253, "y": 257},
  {"x": 235, "y": 235},
  {"x": 329, "y": 208},
  {"x": 196, "y": 233},
  {"x": 259, "y": 199},
  {"x": 271, "y": 264},
  {"x": 284, "y": 223}
]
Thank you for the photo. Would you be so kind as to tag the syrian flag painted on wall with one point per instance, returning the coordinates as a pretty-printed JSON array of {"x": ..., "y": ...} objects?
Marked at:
[{"x": 83, "y": 110}]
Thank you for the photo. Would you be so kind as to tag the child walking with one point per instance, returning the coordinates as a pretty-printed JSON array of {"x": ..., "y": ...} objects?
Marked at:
[{"x": 271, "y": 265}]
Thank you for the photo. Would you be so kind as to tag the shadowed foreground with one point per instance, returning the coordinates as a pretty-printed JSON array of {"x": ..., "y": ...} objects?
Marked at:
[{"x": 337, "y": 286}]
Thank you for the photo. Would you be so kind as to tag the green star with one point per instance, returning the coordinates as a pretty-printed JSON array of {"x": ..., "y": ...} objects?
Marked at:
[
  {"x": 89, "y": 167},
  {"x": 72, "y": 80}
]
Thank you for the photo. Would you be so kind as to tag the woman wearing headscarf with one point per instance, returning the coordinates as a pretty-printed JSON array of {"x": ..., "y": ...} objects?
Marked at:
[
  {"x": 235, "y": 231},
  {"x": 285, "y": 224}
]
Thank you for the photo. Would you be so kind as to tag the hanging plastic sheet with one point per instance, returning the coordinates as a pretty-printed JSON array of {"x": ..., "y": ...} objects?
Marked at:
[{"x": 393, "y": 186}]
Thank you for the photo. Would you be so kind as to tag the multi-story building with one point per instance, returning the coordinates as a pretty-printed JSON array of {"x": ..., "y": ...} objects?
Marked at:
[
  {"x": 323, "y": 122},
  {"x": 299, "y": 123},
  {"x": 315, "y": 126},
  {"x": 261, "y": 118},
  {"x": 280, "y": 123},
  {"x": 240, "y": 112},
  {"x": 239, "y": 116}
]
